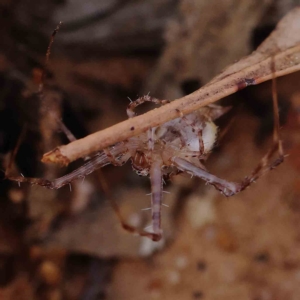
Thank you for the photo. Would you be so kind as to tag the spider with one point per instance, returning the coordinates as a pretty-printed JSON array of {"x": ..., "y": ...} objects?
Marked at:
[{"x": 180, "y": 145}]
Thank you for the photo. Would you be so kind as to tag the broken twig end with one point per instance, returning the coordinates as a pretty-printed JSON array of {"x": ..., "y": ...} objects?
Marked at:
[{"x": 55, "y": 156}]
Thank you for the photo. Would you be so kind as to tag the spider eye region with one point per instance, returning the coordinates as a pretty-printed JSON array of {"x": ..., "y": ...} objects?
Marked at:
[{"x": 140, "y": 163}]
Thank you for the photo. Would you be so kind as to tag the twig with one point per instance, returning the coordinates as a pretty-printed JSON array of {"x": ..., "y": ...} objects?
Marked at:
[{"x": 287, "y": 61}]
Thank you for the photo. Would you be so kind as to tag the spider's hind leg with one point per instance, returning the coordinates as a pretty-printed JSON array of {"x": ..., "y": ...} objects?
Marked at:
[
  {"x": 264, "y": 164},
  {"x": 228, "y": 188},
  {"x": 231, "y": 188},
  {"x": 156, "y": 196}
]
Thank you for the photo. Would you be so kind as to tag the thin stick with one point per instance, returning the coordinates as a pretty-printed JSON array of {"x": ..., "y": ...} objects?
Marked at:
[
  {"x": 287, "y": 61},
  {"x": 15, "y": 151},
  {"x": 41, "y": 85},
  {"x": 276, "y": 110}
]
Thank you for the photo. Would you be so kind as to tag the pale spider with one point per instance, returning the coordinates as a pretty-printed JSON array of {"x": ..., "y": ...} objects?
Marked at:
[{"x": 180, "y": 145}]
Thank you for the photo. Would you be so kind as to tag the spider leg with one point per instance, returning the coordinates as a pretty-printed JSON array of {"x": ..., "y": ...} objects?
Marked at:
[
  {"x": 228, "y": 188},
  {"x": 130, "y": 109},
  {"x": 231, "y": 188},
  {"x": 95, "y": 163},
  {"x": 156, "y": 234},
  {"x": 98, "y": 161},
  {"x": 214, "y": 111},
  {"x": 112, "y": 159},
  {"x": 71, "y": 137},
  {"x": 156, "y": 196},
  {"x": 8, "y": 169},
  {"x": 264, "y": 164},
  {"x": 110, "y": 156},
  {"x": 225, "y": 187}
]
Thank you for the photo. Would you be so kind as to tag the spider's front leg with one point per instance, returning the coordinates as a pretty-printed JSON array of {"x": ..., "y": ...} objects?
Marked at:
[
  {"x": 117, "y": 154},
  {"x": 130, "y": 109},
  {"x": 93, "y": 164}
]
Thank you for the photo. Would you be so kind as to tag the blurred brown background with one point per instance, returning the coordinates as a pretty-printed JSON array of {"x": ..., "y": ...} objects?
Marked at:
[{"x": 69, "y": 244}]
